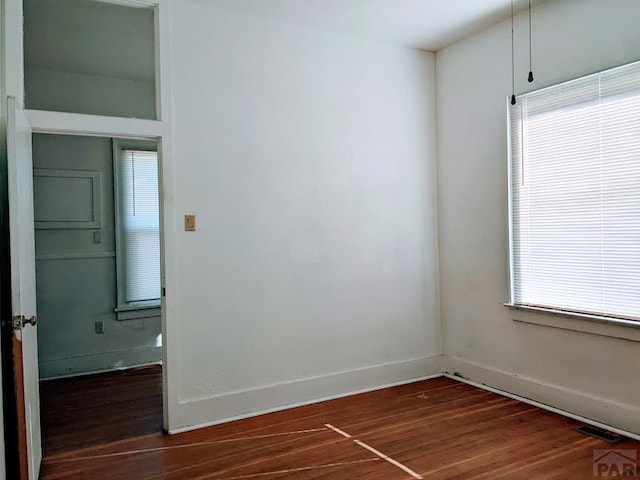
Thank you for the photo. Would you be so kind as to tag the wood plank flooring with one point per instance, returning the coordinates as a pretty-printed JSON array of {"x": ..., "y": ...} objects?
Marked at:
[
  {"x": 435, "y": 429},
  {"x": 96, "y": 409}
]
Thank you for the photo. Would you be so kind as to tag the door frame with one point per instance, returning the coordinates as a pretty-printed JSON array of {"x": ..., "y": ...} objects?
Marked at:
[
  {"x": 9, "y": 414},
  {"x": 160, "y": 131},
  {"x": 9, "y": 456},
  {"x": 10, "y": 465}
]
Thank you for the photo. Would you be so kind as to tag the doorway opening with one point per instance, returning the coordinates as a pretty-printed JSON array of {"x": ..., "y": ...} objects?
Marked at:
[{"x": 98, "y": 284}]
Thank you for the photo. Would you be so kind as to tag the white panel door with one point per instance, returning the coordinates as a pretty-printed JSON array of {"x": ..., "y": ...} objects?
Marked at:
[{"x": 23, "y": 288}]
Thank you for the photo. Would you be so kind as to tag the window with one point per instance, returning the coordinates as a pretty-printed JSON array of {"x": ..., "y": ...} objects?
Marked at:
[
  {"x": 102, "y": 62},
  {"x": 138, "y": 227},
  {"x": 575, "y": 195}
]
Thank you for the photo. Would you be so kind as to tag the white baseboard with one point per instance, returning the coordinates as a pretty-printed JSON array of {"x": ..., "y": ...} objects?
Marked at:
[
  {"x": 102, "y": 362},
  {"x": 617, "y": 417},
  {"x": 272, "y": 398}
]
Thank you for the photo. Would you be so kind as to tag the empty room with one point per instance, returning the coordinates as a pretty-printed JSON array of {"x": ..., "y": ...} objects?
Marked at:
[{"x": 319, "y": 239}]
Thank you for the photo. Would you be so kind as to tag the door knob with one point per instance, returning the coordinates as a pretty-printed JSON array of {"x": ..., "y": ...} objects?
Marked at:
[{"x": 21, "y": 321}]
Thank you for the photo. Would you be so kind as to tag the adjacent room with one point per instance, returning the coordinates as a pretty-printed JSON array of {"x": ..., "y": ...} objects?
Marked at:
[{"x": 320, "y": 239}]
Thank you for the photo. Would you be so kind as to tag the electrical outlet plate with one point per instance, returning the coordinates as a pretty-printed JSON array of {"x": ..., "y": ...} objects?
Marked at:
[
  {"x": 99, "y": 328},
  {"x": 189, "y": 223}
]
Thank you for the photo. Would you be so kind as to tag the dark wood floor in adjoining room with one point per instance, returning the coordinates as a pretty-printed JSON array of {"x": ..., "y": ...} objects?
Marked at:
[
  {"x": 79, "y": 412},
  {"x": 434, "y": 429}
]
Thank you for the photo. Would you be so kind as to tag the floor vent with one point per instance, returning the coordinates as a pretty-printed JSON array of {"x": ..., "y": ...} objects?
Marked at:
[{"x": 601, "y": 434}]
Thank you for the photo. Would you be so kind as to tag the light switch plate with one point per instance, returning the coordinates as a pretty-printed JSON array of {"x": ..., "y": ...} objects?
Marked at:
[{"x": 189, "y": 223}]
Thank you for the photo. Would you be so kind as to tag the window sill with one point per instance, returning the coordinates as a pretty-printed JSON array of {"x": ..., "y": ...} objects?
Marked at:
[
  {"x": 577, "y": 322},
  {"x": 139, "y": 311}
]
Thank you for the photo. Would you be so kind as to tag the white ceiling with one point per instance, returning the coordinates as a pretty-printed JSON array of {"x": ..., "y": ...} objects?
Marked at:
[
  {"x": 423, "y": 24},
  {"x": 96, "y": 38}
]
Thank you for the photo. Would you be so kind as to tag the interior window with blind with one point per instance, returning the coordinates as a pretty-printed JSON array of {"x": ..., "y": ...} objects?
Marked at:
[
  {"x": 575, "y": 196},
  {"x": 138, "y": 228}
]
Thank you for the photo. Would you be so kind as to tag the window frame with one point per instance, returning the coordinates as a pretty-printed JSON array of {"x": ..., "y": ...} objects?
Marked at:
[
  {"x": 129, "y": 310},
  {"x": 614, "y": 326}
]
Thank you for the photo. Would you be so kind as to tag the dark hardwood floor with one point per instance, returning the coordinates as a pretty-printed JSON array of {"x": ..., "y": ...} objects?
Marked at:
[
  {"x": 91, "y": 410},
  {"x": 435, "y": 429}
]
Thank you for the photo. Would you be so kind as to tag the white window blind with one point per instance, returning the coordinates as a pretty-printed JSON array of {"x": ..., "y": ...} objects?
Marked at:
[
  {"x": 575, "y": 195},
  {"x": 139, "y": 225}
]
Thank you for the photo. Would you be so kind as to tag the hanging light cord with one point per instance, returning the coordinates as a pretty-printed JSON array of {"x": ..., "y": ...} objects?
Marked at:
[
  {"x": 513, "y": 67},
  {"x": 530, "y": 49}
]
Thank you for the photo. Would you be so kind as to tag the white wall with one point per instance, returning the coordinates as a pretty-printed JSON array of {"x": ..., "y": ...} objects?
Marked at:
[
  {"x": 592, "y": 375},
  {"x": 309, "y": 160}
]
